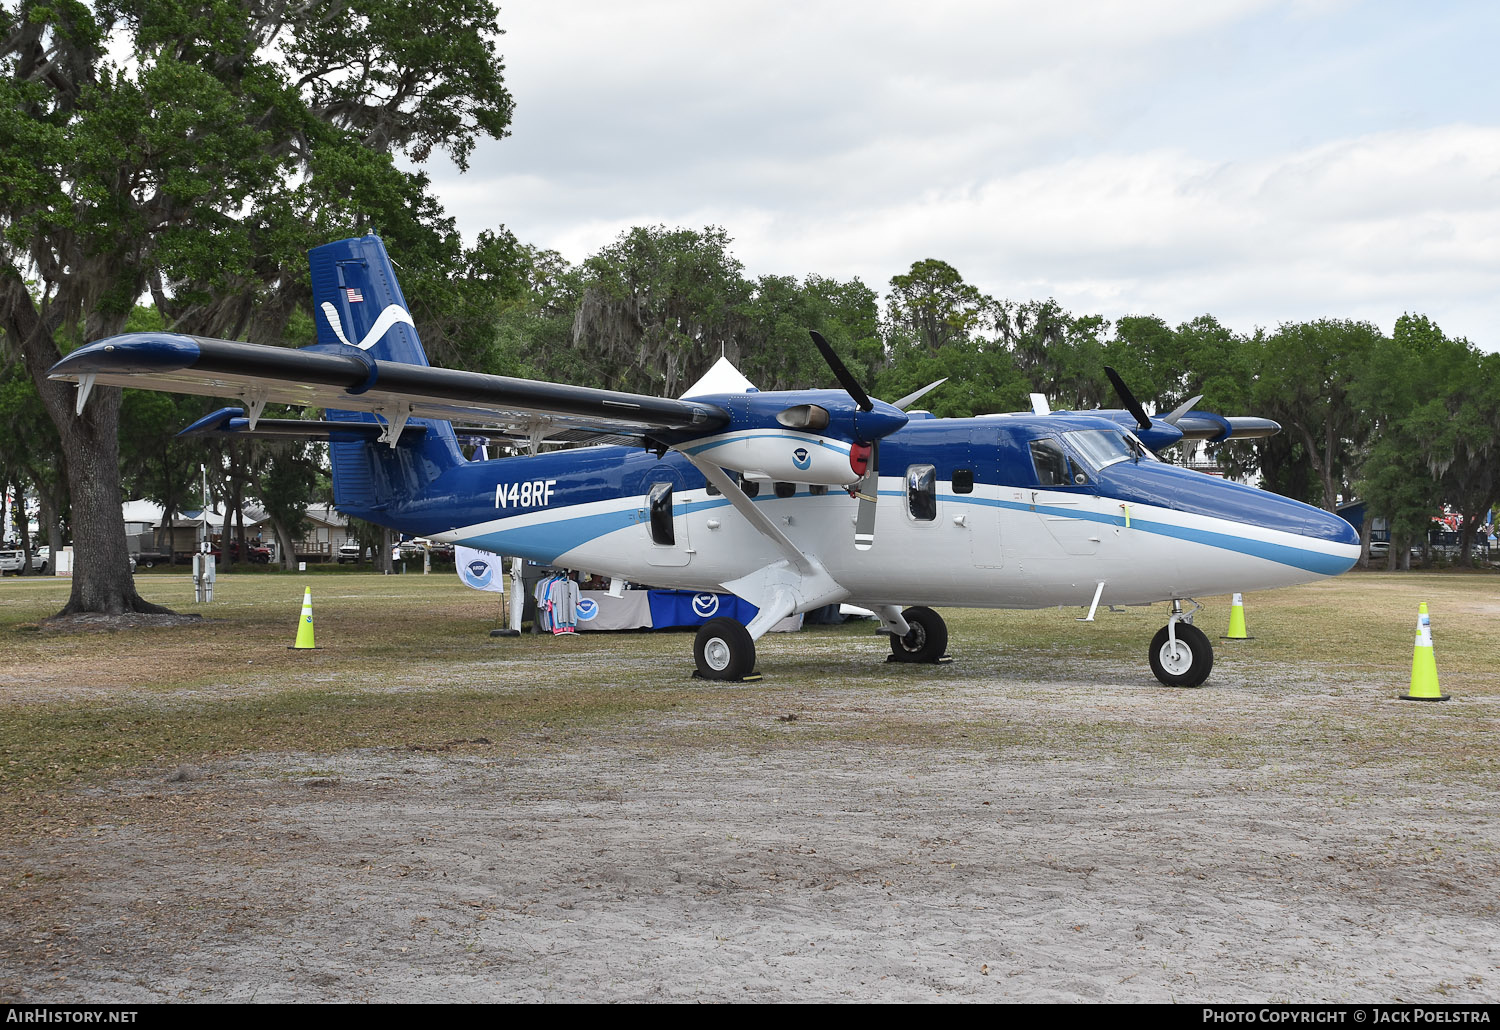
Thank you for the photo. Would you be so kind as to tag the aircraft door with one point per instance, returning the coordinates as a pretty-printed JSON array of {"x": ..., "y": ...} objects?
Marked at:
[
  {"x": 665, "y": 527},
  {"x": 975, "y": 498},
  {"x": 1067, "y": 508}
]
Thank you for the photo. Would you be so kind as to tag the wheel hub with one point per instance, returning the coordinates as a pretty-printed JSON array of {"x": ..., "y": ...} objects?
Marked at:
[
  {"x": 1176, "y": 657},
  {"x": 716, "y": 654}
]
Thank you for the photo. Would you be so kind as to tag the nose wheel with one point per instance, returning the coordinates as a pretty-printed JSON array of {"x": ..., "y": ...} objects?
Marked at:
[{"x": 1181, "y": 656}]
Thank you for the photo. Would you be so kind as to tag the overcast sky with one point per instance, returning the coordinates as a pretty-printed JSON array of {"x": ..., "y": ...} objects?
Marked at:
[{"x": 1260, "y": 160}]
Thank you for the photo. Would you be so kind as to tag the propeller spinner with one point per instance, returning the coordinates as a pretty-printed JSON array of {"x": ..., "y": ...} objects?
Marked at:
[{"x": 866, "y": 449}]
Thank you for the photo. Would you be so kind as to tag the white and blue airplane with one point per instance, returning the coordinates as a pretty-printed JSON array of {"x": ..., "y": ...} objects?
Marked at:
[{"x": 792, "y": 500}]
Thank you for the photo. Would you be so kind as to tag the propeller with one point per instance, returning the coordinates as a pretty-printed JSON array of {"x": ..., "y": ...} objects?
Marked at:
[
  {"x": 867, "y": 489},
  {"x": 1127, "y": 399},
  {"x": 1182, "y": 409},
  {"x": 842, "y": 374}
]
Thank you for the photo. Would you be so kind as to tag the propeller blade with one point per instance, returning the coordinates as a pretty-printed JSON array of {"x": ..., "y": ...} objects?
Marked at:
[
  {"x": 923, "y": 392},
  {"x": 1182, "y": 409},
  {"x": 1128, "y": 399},
  {"x": 842, "y": 374},
  {"x": 867, "y": 493}
]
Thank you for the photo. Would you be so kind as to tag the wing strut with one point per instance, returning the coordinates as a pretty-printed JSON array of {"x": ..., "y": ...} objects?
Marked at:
[{"x": 797, "y": 582}]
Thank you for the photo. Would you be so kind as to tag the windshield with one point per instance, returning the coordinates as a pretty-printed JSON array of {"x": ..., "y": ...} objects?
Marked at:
[{"x": 1101, "y": 448}]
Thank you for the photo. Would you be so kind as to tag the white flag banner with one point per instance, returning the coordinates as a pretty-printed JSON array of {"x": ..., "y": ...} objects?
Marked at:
[{"x": 480, "y": 570}]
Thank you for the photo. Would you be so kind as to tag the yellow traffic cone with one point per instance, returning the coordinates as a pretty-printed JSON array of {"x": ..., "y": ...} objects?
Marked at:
[
  {"x": 1237, "y": 621},
  {"x": 1424, "y": 678},
  {"x": 305, "y": 626}
]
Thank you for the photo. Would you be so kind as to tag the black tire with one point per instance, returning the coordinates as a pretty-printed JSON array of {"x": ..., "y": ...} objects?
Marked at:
[
  {"x": 723, "y": 650},
  {"x": 1194, "y": 658},
  {"x": 148, "y": 564},
  {"x": 927, "y": 641}
]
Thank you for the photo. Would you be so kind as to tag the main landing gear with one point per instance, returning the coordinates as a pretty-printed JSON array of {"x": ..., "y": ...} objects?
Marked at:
[
  {"x": 724, "y": 650},
  {"x": 926, "y": 639},
  {"x": 1180, "y": 653}
]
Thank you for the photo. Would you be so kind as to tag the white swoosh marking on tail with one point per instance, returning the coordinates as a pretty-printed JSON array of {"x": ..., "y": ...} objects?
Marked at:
[{"x": 392, "y": 315}]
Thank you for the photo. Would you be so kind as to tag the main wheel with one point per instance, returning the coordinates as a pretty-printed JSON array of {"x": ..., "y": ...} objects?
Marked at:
[
  {"x": 926, "y": 641},
  {"x": 1189, "y": 663},
  {"x": 724, "y": 650}
]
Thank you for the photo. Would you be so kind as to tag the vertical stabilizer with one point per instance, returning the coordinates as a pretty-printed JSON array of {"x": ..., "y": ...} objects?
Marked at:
[{"x": 357, "y": 302}]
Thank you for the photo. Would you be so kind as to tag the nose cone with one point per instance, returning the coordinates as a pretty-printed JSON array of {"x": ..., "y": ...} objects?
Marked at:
[
  {"x": 1335, "y": 529},
  {"x": 1264, "y": 526},
  {"x": 881, "y": 421},
  {"x": 1341, "y": 537}
]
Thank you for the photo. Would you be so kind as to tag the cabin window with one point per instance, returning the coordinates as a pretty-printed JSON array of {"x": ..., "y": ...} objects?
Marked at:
[
  {"x": 713, "y": 491},
  {"x": 963, "y": 481},
  {"x": 1050, "y": 461},
  {"x": 749, "y": 486},
  {"x": 662, "y": 530},
  {"x": 921, "y": 492},
  {"x": 784, "y": 490},
  {"x": 817, "y": 490}
]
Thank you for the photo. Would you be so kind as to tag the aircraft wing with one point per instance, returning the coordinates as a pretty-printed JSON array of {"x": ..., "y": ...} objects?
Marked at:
[{"x": 348, "y": 378}]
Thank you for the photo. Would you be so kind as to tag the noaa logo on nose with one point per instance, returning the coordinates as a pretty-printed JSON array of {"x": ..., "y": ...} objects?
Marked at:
[
  {"x": 802, "y": 459},
  {"x": 477, "y": 573},
  {"x": 587, "y": 608},
  {"x": 705, "y": 605}
]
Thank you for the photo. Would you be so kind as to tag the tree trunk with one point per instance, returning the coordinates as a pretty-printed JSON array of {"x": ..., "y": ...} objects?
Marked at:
[
  {"x": 101, "y": 580},
  {"x": 24, "y": 525},
  {"x": 284, "y": 545},
  {"x": 101, "y": 558},
  {"x": 48, "y": 506},
  {"x": 383, "y": 561}
]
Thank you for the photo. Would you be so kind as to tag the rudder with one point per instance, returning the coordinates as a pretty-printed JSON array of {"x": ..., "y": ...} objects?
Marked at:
[{"x": 358, "y": 303}]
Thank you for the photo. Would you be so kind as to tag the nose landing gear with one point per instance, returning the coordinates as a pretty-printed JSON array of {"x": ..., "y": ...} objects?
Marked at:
[{"x": 1180, "y": 653}]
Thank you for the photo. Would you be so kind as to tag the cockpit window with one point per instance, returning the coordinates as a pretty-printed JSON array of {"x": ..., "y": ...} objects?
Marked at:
[
  {"x": 1101, "y": 448},
  {"x": 1050, "y": 461}
]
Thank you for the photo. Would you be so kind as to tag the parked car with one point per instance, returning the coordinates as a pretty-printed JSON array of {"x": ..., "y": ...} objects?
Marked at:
[
  {"x": 14, "y": 558},
  {"x": 1381, "y": 549},
  {"x": 350, "y": 553},
  {"x": 257, "y": 555}
]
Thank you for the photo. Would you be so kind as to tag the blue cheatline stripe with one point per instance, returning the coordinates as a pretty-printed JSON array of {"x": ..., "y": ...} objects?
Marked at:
[
  {"x": 1284, "y": 554},
  {"x": 544, "y": 541},
  {"x": 806, "y": 441}
]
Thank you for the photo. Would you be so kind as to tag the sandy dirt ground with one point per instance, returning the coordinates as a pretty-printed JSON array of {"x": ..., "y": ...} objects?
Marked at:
[{"x": 808, "y": 867}]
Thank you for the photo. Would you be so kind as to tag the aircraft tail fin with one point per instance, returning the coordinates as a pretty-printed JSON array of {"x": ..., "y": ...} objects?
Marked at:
[{"x": 358, "y": 303}]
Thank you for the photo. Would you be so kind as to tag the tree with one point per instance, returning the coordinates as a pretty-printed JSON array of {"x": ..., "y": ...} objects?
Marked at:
[
  {"x": 236, "y": 134},
  {"x": 930, "y": 306},
  {"x": 1307, "y": 371},
  {"x": 658, "y": 307}
]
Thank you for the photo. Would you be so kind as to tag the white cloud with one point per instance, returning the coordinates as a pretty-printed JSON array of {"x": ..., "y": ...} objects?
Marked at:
[{"x": 1258, "y": 160}]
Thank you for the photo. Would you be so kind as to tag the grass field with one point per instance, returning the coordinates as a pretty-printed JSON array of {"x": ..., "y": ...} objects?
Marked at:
[{"x": 408, "y": 658}]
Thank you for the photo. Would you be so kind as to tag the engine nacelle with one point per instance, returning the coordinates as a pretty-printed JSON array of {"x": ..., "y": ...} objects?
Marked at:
[{"x": 787, "y": 457}]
